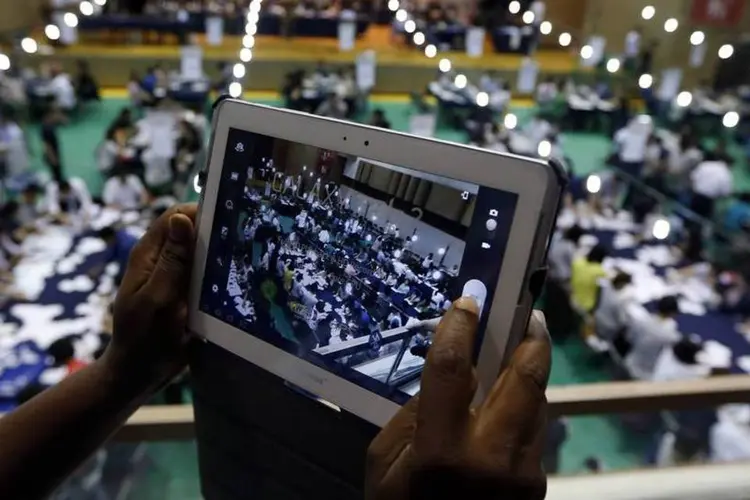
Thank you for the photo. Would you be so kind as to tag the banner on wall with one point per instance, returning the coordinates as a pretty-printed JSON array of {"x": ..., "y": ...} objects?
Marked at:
[{"x": 725, "y": 13}]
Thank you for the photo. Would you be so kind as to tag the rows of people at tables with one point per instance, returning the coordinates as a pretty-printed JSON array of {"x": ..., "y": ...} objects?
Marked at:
[{"x": 355, "y": 285}]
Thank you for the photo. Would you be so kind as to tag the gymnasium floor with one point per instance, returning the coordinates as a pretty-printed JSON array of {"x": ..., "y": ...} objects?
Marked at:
[{"x": 173, "y": 470}]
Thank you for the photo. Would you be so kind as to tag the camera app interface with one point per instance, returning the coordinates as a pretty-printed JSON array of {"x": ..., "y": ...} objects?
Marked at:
[{"x": 347, "y": 262}]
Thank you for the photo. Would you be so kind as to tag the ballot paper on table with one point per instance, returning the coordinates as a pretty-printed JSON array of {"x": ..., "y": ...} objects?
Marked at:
[
  {"x": 715, "y": 354},
  {"x": 657, "y": 255}
]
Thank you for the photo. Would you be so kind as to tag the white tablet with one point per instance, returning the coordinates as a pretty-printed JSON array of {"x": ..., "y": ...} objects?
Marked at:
[{"x": 327, "y": 251}]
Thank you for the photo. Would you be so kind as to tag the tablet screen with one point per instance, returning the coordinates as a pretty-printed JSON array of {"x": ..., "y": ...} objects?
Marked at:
[{"x": 348, "y": 262}]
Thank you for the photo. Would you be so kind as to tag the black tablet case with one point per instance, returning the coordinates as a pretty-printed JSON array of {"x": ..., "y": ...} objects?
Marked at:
[{"x": 259, "y": 439}]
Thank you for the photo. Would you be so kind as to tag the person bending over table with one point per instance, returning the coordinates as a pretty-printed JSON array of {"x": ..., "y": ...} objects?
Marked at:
[
  {"x": 584, "y": 278},
  {"x": 611, "y": 316},
  {"x": 710, "y": 181},
  {"x": 51, "y": 142},
  {"x": 649, "y": 335}
]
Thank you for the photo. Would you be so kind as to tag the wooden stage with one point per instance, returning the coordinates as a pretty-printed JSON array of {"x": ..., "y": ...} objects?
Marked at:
[{"x": 400, "y": 68}]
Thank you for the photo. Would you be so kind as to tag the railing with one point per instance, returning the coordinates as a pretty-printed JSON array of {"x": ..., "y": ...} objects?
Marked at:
[{"x": 163, "y": 423}]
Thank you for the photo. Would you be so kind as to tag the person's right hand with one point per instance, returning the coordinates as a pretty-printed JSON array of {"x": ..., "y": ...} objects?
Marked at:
[{"x": 438, "y": 447}]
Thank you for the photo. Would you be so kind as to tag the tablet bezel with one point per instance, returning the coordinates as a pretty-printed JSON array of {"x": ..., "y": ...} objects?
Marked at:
[{"x": 532, "y": 180}]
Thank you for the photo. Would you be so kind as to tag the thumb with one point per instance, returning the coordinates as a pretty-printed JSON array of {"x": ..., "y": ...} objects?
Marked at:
[{"x": 171, "y": 275}]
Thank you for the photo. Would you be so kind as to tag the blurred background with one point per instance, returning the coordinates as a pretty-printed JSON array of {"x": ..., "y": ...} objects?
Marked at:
[{"x": 104, "y": 120}]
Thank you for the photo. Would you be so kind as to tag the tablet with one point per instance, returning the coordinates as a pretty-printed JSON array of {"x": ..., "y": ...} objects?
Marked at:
[{"x": 328, "y": 251}]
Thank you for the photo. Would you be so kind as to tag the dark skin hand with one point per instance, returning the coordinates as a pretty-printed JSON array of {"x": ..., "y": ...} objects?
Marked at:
[
  {"x": 437, "y": 446},
  {"x": 47, "y": 438}
]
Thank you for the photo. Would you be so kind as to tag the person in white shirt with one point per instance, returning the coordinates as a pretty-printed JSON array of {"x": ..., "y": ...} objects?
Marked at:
[
  {"x": 561, "y": 253},
  {"x": 70, "y": 197},
  {"x": 729, "y": 438},
  {"x": 62, "y": 89},
  {"x": 681, "y": 362},
  {"x": 546, "y": 92},
  {"x": 710, "y": 181},
  {"x": 611, "y": 315},
  {"x": 631, "y": 142},
  {"x": 427, "y": 262},
  {"x": 649, "y": 335},
  {"x": 13, "y": 148},
  {"x": 124, "y": 191}
]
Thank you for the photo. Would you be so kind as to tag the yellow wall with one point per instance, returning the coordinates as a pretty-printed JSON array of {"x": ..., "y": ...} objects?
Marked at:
[{"x": 17, "y": 14}]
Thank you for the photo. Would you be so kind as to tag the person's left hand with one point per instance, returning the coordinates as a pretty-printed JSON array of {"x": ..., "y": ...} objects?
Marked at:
[{"x": 150, "y": 337}]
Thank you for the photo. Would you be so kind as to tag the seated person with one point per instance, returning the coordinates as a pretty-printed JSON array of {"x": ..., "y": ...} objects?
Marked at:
[
  {"x": 87, "y": 89},
  {"x": 649, "y": 335},
  {"x": 611, "y": 315},
  {"x": 427, "y": 262},
  {"x": 561, "y": 254},
  {"x": 378, "y": 119},
  {"x": 394, "y": 320},
  {"x": 30, "y": 207},
  {"x": 584, "y": 278},
  {"x": 68, "y": 197},
  {"x": 124, "y": 191},
  {"x": 729, "y": 437},
  {"x": 10, "y": 249}
]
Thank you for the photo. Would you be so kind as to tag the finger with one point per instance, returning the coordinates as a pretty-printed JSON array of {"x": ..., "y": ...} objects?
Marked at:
[
  {"x": 391, "y": 441},
  {"x": 171, "y": 274},
  {"x": 506, "y": 420},
  {"x": 144, "y": 256},
  {"x": 448, "y": 380}
]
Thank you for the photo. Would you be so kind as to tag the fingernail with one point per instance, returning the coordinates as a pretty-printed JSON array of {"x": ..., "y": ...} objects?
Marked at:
[
  {"x": 468, "y": 304},
  {"x": 539, "y": 315}
]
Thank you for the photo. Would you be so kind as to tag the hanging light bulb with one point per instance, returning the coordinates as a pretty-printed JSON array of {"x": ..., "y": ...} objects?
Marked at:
[
  {"x": 684, "y": 99},
  {"x": 430, "y": 51},
  {"x": 648, "y": 12},
  {"x": 514, "y": 7},
  {"x": 410, "y": 26},
  {"x": 86, "y": 8},
  {"x": 4, "y": 62},
  {"x": 246, "y": 55},
  {"x": 545, "y": 28},
  {"x": 70, "y": 20},
  {"x": 401, "y": 15},
  {"x": 697, "y": 37},
  {"x": 645, "y": 81},
  {"x": 461, "y": 81},
  {"x": 731, "y": 119},
  {"x": 235, "y": 89},
  {"x": 393, "y": 5},
  {"x": 52, "y": 32},
  {"x": 726, "y": 51},
  {"x": 613, "y": 65},
  {"x": 238, "y": 70},
  {"x": 661, "y": 229},
  {"x": 483, "y": 99},
  {"x": 671, "y": 25},
  {"x": 587, "y": 52},
  {"x": 445, "y": 65},
  {"x": 510, "y": 121},
  {"x": 564, "y": 39},
  {"x": 29, "y": 45}
]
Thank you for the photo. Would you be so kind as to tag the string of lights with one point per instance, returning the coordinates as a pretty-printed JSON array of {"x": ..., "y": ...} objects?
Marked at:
[{"x": 239, "y": 70}]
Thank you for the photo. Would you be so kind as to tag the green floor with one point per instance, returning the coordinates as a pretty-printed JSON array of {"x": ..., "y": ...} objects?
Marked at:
[{"x": 173, "y": 469}]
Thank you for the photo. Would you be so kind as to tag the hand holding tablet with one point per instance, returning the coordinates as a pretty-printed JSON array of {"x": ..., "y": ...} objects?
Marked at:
[{"x": 438, "y": 447}]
